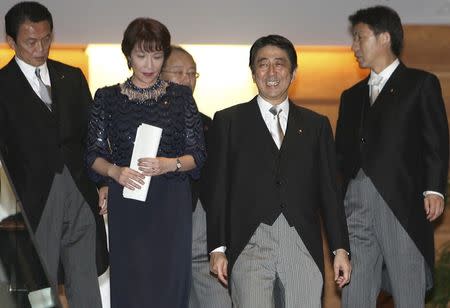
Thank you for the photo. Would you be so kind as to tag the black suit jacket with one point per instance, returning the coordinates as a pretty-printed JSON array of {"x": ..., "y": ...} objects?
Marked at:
[
  {"x": 401, "y": 143},
  {"x": 251, "y": 181},
  {"x": 36, "y": 143}
]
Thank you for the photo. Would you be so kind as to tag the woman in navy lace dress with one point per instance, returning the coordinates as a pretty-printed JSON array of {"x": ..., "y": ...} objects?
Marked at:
[{"x": 150, "y": 242}]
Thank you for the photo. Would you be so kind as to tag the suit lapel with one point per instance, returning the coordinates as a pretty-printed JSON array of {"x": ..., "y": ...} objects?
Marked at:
[
  {"x": 294, "y": 126},
  {"x": 24, "y": 88},
  {"x": 391, "y": 87},
  {"x": 260, "y": 126},
  {"x": 56, "y": 79}
]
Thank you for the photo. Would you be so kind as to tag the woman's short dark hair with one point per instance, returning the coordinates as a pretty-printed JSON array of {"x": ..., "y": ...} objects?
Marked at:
[
  {"x": 381, "y": 19},
  {"x": 277, "y": 41},
  {"x": 23, "y": 12},
  {"x": 149, "y": 34}
]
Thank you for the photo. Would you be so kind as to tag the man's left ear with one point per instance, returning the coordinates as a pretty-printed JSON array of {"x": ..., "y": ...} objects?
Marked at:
[
  {"x": 385, "y": 38},
  {"x": 294, "y": 74}
]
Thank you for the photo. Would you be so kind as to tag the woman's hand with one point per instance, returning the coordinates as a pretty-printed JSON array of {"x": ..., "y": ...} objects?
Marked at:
[
  {"x": 126, "y": 177},
  {"x": 103, "y": 200},
  {"x": 156, "y": 166}
]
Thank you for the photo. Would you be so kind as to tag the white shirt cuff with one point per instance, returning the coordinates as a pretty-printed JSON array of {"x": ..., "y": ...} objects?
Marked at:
[
  {"x": 219, "y": 249},
  {"x": 430, "y": 192}
]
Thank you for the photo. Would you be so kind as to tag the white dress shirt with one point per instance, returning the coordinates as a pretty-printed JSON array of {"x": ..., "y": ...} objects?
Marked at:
[
  {"x": 29, "y": 72},
  {"x": 271, "y": 120},
  {"x": 385, "y": 75}
]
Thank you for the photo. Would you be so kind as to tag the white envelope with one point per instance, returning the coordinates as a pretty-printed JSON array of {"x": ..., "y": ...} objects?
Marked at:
[{"x": 145, "y": 145}]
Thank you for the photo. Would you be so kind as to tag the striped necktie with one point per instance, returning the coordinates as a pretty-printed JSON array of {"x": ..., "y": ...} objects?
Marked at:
[
  {"x": 278, "y": 134},
  {"x": 44, "y": 90}
]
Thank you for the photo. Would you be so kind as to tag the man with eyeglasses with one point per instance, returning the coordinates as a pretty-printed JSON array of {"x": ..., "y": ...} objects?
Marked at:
[{"x": 181, "y": 68}]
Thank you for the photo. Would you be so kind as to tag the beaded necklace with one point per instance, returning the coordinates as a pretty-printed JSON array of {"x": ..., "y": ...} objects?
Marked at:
[{"x": 134, "y": 93}]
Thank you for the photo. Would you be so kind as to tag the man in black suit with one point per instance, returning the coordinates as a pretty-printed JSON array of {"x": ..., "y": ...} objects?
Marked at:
[
  {"x": 43, "y": 123},
  {"x": 271, "y": 171},
  {"x": 392, "y": 149}
]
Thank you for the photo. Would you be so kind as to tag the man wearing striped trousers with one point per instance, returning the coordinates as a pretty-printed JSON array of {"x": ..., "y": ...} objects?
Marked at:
[{"x": 392, "y": 149}]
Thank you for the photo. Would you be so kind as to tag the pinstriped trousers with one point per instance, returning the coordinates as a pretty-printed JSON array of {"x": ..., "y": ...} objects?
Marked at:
[
  {"x": 275, "y": 270},
  {"x": 66, "y": 233},
  {"x": 206, "y": 291},
  {"x": 379, "y": 244}
]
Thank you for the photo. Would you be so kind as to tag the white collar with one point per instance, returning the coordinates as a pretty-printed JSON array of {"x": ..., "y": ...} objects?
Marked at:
[
  {"x": 384, "y": 75},
  {"x": 264, "y": 106},
  {"x": 29, "y": 70}
]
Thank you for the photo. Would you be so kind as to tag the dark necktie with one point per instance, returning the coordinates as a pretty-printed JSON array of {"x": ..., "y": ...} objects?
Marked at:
[
  {"x": 279, "y": 131},
  {"x": 44, "y": 90}
]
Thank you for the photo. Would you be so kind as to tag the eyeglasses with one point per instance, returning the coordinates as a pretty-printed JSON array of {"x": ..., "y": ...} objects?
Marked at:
[{"x": 180, "y": 74}]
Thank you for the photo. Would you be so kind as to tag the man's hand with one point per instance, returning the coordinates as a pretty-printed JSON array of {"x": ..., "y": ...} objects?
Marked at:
[
  {"x": 218, "y": 265},
  {"x": 434, "y": 206},
  {"x": 103, "y": 200},
  {"x": 342, "y": 268}
]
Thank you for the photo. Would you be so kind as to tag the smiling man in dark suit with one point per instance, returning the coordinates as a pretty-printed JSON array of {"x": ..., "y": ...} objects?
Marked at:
[
  {"x": 392, "y": 147},
  {"x": 43, "y": 123},
  {"x": 271, "y": 172}
]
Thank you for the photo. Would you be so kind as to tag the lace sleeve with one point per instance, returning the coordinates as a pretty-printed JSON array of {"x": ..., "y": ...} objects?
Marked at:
[
  {"x": 97, "y": 138},
  {"x": 195, "y": 142}
]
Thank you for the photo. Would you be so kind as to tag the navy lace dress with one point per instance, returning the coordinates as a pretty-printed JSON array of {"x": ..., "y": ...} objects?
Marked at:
[{"x": 150, "y": 242}]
